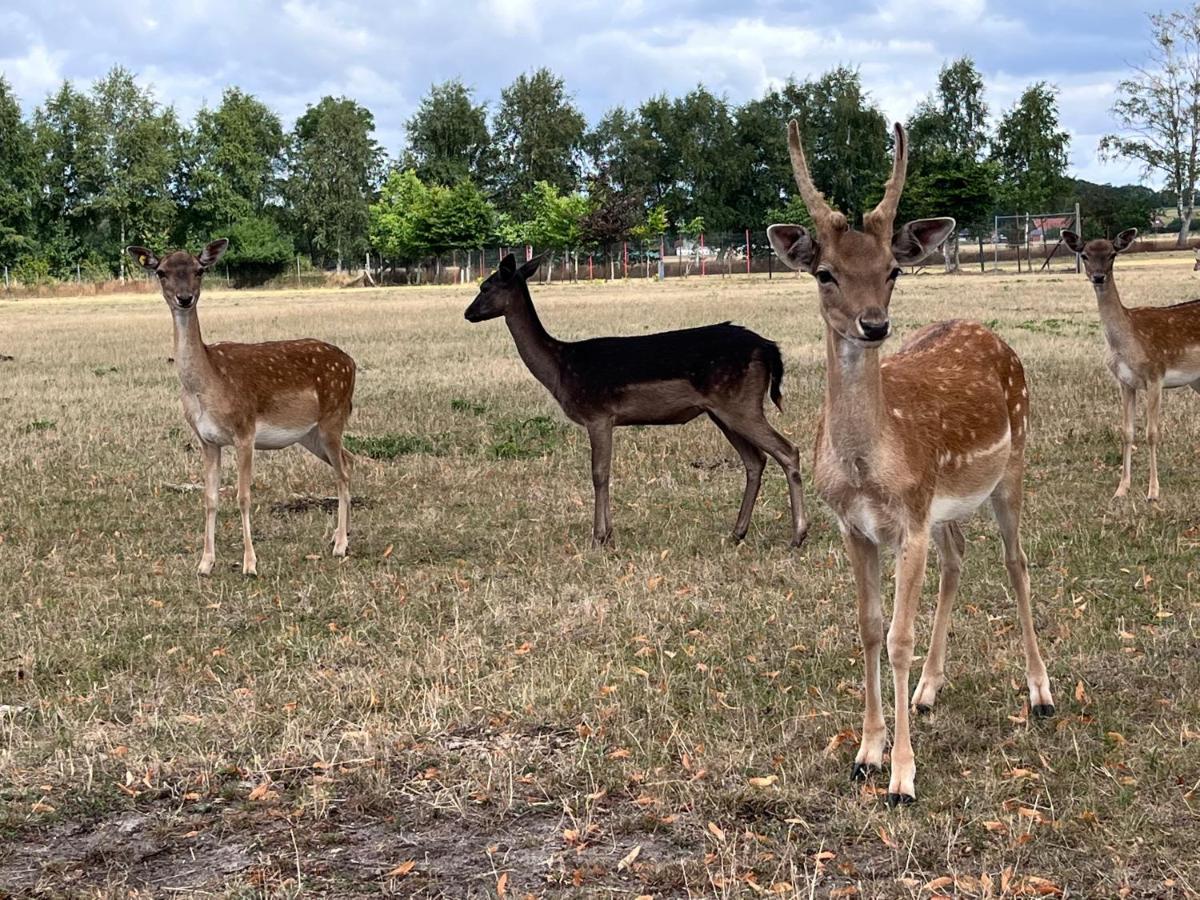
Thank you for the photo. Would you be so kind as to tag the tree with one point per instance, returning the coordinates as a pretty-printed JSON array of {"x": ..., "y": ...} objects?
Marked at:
[
  {"x": 334, "y": 167},
  {"x": 845, "y": 139},
  {"x": 539, "y": 137},
  {"x": 947, "y": 175},
  {"x": 397, "y": 218},
  {"x": 612, "y": 217},
  {"x": 69, "y": 144},
  {"x": 555, "y": 220},
  {"x": 448, "y": 139},
  {"x": 142, "y": 150},
  {"x": 456, "y": 218},
  {"x": 1158, "y": 109},
  {"x": 1110, "y": 210},
  {"x": 1031, "y": 151},
  {"x": 18, "y": 180}
]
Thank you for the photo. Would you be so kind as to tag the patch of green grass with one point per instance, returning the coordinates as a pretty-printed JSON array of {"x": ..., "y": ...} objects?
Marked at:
[
  {"x": 390, "y": 446},
  {"x": 458, "y": 404},
  {"x": 525, "y": 438},
  {"x": 101, "y": 371},
  {"x": 39, "y": 425}
]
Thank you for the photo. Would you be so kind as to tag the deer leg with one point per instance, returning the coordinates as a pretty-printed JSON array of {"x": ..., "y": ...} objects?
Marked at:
[
  {"x": 245, "y": 459},
  {"x": 950, "y": 544},
  {"x": 211, "y": 456},
  {"x": 1128, "y": 411},
  {"x": 864, "y": 560},
  {"x": 755, "y": 461},
  {"x": 759, "y": 432},
  {"x": 1153, "y": 416},
  {"x": 600, "y": 434},
  {"x": 1006, "y": 504},
  {"x": 910, "y": 575},
  {"x": 339, "y": 459}
]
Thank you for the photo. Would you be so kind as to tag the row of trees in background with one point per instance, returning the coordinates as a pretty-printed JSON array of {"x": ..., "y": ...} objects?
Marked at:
[{"x": 92, "y": 170}]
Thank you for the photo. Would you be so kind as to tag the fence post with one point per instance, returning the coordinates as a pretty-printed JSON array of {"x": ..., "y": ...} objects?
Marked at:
[
  {"x": 625, "y": 259},
  {"x": 591, "y": 274},
  {"x": 747, "y": 251},
  {"x": 1079, "y": 231},
  {"x": 703, "y": 260}
]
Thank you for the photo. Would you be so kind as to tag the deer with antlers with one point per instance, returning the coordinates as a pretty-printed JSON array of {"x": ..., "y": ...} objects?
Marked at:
[
  {"x": 722, "y": 371},
  {"x": 263, "y": 396},
  {"x": 908, "y": 446},
  {"x": 1149, "y": 348}
]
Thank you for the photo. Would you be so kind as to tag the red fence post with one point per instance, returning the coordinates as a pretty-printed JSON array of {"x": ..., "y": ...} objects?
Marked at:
[{"x": 625, "y": 258}]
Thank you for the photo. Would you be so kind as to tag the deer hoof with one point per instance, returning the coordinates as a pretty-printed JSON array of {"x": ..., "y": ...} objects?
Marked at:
[
  {"x": 1043, "y": 711},
  {"x": 863, "y": 771},
  {"x": 798, "y": 540},
  {"x": 894, "y": 800},
  {"x": 922, "y": 709}
]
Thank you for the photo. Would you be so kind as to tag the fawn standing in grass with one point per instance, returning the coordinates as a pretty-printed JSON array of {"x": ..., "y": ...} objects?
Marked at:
[
  {"x": 1149, "y": 348},
  {"x": 252, "y": 396},
  {"x": 722, "y": 371}
]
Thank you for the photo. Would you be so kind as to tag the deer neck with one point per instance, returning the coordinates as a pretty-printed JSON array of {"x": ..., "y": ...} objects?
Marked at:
[
  {"x": 1113, "y": 315},
  {"x": 854, "y": 415},
  {"x": 191, "y": 355},
  {"x": 539, "y": 351}
]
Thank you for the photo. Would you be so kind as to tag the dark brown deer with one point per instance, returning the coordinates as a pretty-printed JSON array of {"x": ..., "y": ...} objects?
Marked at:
[
  {"x": 1149, "y": 348},
  {"x": 252, "y": 396},
  {"x": 722, "y": 371},
  {"x": 907, "y": 446}
]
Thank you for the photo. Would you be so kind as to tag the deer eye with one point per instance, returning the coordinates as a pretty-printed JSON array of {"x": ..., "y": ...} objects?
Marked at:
[
  {"x": 824, "y": 276},
  {"x": 160, "y": 274}
]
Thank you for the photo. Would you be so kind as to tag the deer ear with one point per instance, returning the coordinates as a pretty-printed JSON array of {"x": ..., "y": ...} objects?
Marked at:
[
  {"x": 143, "y": 257},
  {"x": 1125, "y": 239},
  {"x": 794, "y": 245},
  {"x": 1071, "y": 239},
  {"x": 213, "y": 252},
  {"x": 508, "y": 266},
  {"x": 527, "y": 269},
  {"x": 917, "y": 239}
]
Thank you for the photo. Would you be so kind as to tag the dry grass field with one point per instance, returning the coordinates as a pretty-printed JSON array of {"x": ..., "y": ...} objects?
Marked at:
[{"x": 476, "y": 703}]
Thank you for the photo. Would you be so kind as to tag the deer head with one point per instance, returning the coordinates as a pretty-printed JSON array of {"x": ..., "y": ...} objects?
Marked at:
[
  {"x": 855, "y": 270},
  {"x": 180, "y": 273},
  {"x": 1098, "y": 255},
  {"x": 501, "y": 289}
]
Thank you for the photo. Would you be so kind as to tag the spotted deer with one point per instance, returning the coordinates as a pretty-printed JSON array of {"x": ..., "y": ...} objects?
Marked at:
[
  {"x": 263, "y": 396},
  {"x": 908, "y": 446},
  {"x": 722, "y": 371},
  {"x": 1149, "y": 348}
]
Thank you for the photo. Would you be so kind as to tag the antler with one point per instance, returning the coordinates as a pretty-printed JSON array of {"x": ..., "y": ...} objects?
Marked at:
[
  {"x": 882, "y": 217},
  {"x": 824, "y": 217}
]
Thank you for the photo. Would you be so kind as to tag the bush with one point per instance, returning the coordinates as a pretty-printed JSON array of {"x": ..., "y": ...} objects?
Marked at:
[
  {"x": 32, "y": 271},
  {"x": 258, "y": 251}
]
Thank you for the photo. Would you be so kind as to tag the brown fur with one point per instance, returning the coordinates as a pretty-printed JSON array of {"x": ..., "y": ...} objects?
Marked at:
[
  {"x": 907, "y": 446},
  {"x": 253, "y": 396},
  {"x": 1149, "y": 348}
]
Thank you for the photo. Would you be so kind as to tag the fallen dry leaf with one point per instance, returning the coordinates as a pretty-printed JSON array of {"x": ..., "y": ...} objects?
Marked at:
[
  {"x": 401, "y": 870},
  {"x": 763, "y": 781},
  {"x": 628, "y": 858},
  {"x": 716, "y": 832}
]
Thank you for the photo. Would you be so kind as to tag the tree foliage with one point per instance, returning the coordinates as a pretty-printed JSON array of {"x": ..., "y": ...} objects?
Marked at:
[
  {"x": 1158, "y": 110},
  {"x": 448, "y": 138},
  {"x": 1031, "y": 151}
]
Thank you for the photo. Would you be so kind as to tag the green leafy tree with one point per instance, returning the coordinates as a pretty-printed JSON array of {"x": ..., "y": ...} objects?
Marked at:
[
  {"x": 456, "y": 218},
  {"x": 1031, "y": 151},
  {"x": 845, "y": 139},
  {"x": 69, "y": 143},
  {"x": 1158, "y": 111},
  {"x": 334, "y": 166},
  {"x": 1110, "y": 210},
  {"x": 142, "y": 154},
  {"x": 448, "y": 139},
  {"x": 397, "y": 218},
  {"x": 539, "y": 137},
  {"x": 18, "y": 180},
  {"x": 947, "y": 174}
]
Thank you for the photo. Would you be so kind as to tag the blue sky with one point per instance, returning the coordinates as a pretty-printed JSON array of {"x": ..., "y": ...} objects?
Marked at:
[{"x": 385, "y": 55}]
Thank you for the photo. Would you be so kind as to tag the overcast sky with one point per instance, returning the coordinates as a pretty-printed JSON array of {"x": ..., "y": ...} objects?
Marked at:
[{"x": 385, "y": 55}]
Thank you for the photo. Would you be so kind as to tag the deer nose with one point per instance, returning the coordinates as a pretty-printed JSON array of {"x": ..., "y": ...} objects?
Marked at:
[
  {"x": 874, "y": 327},
  {"x": 1098, "y": 279},
  {"x": 185, "y": 300}
]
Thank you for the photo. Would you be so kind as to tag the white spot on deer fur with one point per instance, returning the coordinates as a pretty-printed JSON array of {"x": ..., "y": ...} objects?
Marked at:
[
  {"x": 1024, "y": 392},
  {"x": 896, "y": 412},
  {"x": 1017, "y": 408}
]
